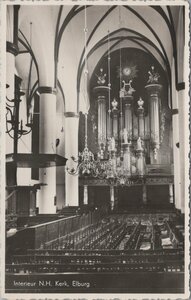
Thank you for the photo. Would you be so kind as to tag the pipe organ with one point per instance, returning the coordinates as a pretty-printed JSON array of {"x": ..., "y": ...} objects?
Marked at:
[{"x": 128, "y": 132}]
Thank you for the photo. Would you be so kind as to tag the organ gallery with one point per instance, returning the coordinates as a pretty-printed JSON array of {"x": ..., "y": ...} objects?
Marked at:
[{"x": 96, "y": 148}]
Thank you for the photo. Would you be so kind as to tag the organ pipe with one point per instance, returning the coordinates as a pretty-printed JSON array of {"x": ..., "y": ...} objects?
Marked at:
[
  {"x": 127, "y": 159},
  {"x": 115, "y": 124},
  {"x": 109, "y": 126},
  {"x": 147, "y": 127},
  {"x": 104, "y": 124},
  {"x": 153, "y": 91},
  {"x": 141, "y": 125},
  {"x": 128, "y": 116},
  {"x": 140, "y": 162},
  {"x": 119, "y": 129},
  {"x": 101, "y": 120}
]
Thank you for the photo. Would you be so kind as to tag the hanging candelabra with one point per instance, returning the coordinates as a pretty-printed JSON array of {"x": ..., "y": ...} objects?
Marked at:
[
  {"x": 85, "y": 161},
  {"x": 14, "y": 125}
]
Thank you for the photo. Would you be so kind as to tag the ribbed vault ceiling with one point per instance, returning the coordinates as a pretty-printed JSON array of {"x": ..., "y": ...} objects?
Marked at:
[{"x": 58, "y": 36}]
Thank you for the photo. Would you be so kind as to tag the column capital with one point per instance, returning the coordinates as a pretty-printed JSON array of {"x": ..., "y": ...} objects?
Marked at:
[
  {"x": 140, "y": 152},
  {"x": 71, "y": 114},
  {"x": 127, "y": 100},
  {"x": 46, "y": 90},
  {"x": 115, "y": 113},
  {"x": 126, "y": 146},
  {"x": 101, "y": 90},
  {"x": 101, "y": 98},
  {"x": 12, "y": 48},
  {"x": 128, "y": 105},
  {"x": 153, "y": 89},
  {"x": 140, "y": 111}
]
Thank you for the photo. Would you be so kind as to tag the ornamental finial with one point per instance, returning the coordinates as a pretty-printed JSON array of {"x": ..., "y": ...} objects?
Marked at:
[
  {"x": 101, "y": 77},
  {"x": 153, "y": 75},
  {"x": 126, "y": 89},
  {"x": 114, "y": 104},
  {"x": 140, "y": 103}
]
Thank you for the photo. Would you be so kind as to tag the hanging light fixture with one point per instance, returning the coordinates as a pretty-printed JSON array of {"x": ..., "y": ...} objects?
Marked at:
[
  {"x": 14, "y": 126},
  {"x": 85, "y": 163}
]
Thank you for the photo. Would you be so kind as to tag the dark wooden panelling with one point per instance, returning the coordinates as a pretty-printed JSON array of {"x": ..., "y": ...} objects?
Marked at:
[
  {"x": 23, "y": 202},
  {"x": 158, "y": 195},
  {"x": 101, "y": 196},
  {"x": 130, "y": 196}
]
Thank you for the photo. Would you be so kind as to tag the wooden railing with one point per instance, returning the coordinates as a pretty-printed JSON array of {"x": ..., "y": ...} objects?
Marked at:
[
  {"x": 46, "y": 234},
  {"x": 47, "y": 261}
]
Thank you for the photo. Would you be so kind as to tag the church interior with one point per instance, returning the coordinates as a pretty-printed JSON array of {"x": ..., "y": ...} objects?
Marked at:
[{"x": 96, "y": 148}]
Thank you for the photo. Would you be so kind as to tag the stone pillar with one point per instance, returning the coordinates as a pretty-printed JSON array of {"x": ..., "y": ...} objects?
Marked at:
[
  {"x": 71, "y": 149},
  {"x": 153, "y": 91},
  {"x": 11, "y": 52},
  {"x": 10, "y": 74},
  {"x": 183, "y": 116},
  {"x": 171, "y": 193},
  {"x": 12, "y": 46},
  {"x": 176, "y": 154},
  {"x": 47, "y": 145}
]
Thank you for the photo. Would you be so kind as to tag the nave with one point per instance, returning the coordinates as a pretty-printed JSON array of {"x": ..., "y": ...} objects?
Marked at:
[{"x": 120, "y": 244}]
